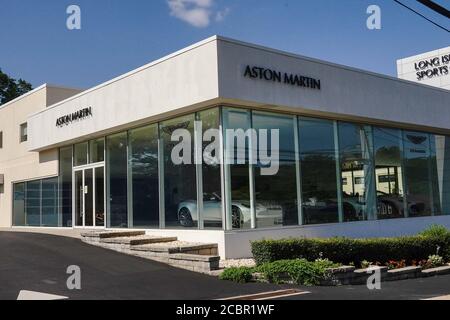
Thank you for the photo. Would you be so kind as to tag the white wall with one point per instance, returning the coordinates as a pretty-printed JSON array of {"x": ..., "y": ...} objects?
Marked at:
[
  {"x": 185, "y": 78},
  {"x": 237, "y": 244},
  {"x": 212, "y": 72},
  {"x": 406, "y": 68},
  {"x": 346, "y": 93}
]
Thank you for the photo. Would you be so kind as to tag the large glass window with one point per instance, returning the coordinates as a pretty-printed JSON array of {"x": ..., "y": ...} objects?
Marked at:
[
  {"x": 117, "y": 180},
  {"x": 97, "y": 150},
  {"x": 65, "y": 180},
  {"x": 275, "y": 192},
  {"x": 318, "y": 171},
  {"x": 33, "y": 203},
  {"x": 237, "y": 162},
  {"x": 180, "y": 176},
  {"x": 50, "y": 216},
  {"x": 80, "y": 154},
  {"x": 212, "y": 198},
  {"x": 144, "y": 175},
  {"x": 357, "y": 171},
  {"x": 389, "y": 173},
  {"x": 417, "y": 173},
  {"x": 440, "y": 166},
  {"x": 19, "y": 218}
]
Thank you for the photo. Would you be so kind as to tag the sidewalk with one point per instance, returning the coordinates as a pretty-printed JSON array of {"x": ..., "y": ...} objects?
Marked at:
[{"x": 63, "y": 232}]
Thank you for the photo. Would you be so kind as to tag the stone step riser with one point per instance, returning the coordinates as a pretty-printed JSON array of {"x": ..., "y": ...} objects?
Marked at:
[
  {"x": 137, "y": 242},
  {"x": 192, "y": 262},
  {"x": 202, "y": 250}
]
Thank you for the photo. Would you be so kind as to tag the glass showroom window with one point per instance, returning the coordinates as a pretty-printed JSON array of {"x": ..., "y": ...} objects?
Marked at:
[
  {"x": 211, "y": 177},
  {"x": 357, "y": 172},
  {"x": 49, "y": 202},
  {"x": 97, "y": 150},
  {"x": 389, "y": 173},
  {"x": 180, "y": 191},
  {"x": 318, "y": 171},
  {"x": 80, "y": 154},
  {"x": 240, "y": 210},
  {"x": 19, "y": 205},
  {"x": 36, "y": 203},
  {"x": 276, "y": 192},
  {"x": 117, "y": 180},
  {"x": 33, "y": 203},
  {"x": 440, "y": 157},
  {"x": 143, "y": 163},
  {"x": 65, "y": 180},
  {"x": 417, "y": 173}
]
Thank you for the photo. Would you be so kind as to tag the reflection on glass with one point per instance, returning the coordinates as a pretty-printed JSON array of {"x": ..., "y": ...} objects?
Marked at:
[
  {"x": 417, "y": 173},
  {"x": 179, "y": 179},
  {"x": 65, "y": 180},
  {"x": 212, "y": 203},
  {"x": 276, "y": 195},
  {"x": 318, "y": 171},
  {"x": 19, "y": 205},
  {"x": 33, "y": 203},
  {"x": 97, "y": 150},
  {"x": 99, "y": 197},
  {"x": 50, "y": 203},
  {"x": 239, "y": 173},
  {"x": 79, "y": 198},
  {"x": 80, "y": 154},
  {"x": 117, "y": 180},
  {"x": 440, "y": 167},
  {"x": 356, "y": 154},
  {"x": 389, "y": 173},
  {"x": 144, "y": 175},
  {"x": 88, "y": 198}
]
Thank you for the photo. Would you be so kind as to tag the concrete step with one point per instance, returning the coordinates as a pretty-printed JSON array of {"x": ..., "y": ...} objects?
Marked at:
[
  {"x": 111, "y": 234},
  {"x": 202, "y": 249},
  {"x": 138, "y": 240},
  {"x": 197, "y": 257}
]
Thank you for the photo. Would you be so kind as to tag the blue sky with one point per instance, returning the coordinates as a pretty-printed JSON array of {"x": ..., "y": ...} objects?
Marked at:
[{"x": 120, "y": 35}]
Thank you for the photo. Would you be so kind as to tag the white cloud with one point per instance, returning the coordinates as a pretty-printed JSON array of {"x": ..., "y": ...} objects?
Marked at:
[
  {"x": 222, "y": 14},
  {"x": 196, "y": 12}
]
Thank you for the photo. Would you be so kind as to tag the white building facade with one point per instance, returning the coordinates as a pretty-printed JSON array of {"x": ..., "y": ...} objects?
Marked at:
[{"x": 361, "y": 154}]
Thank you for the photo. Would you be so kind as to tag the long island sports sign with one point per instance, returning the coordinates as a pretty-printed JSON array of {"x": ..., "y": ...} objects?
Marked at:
[{"x": 265, "y": 74}]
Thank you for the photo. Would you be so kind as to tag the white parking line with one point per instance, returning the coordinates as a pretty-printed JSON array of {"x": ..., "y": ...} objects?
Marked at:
[
  {"x": 40, "y": 296},
  {"x": 270, "y": 295},
  {"x": 442, "y": 298}
]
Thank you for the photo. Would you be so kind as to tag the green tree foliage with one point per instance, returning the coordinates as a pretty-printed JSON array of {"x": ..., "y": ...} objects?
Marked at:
[{"x": 11, "y": 88}]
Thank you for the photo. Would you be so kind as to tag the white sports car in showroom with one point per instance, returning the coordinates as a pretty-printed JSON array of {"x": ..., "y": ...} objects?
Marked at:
[{"x": 212, "y": 212}]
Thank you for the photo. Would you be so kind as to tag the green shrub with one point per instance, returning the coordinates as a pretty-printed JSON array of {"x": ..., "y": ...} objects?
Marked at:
[
  {"x": 435, "y": 231},
  {"x": 239, "y": 275},
  {"x": 355, "y": 251},
  {"x": 300, "y": 271}
]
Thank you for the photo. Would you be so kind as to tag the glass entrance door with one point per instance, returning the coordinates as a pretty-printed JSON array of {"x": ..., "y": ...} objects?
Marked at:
[{"x": 89, "y": 197}]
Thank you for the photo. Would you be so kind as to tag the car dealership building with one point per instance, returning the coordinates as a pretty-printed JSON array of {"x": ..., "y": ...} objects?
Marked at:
[{"x": 361, "y": 154}]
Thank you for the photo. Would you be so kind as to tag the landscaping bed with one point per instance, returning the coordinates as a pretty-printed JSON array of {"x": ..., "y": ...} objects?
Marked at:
[{"x": 339, "y": 261}]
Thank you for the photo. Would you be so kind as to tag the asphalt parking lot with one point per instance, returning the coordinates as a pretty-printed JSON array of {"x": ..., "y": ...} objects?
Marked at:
[{"x": 38, "y": 262}]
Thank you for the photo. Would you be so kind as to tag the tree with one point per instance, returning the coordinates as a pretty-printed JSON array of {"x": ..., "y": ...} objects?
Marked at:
[{"x": 11, "y": 88}]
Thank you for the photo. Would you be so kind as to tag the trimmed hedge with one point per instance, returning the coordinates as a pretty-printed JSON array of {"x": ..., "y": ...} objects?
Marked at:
[{"x": 353, "y": 251}]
